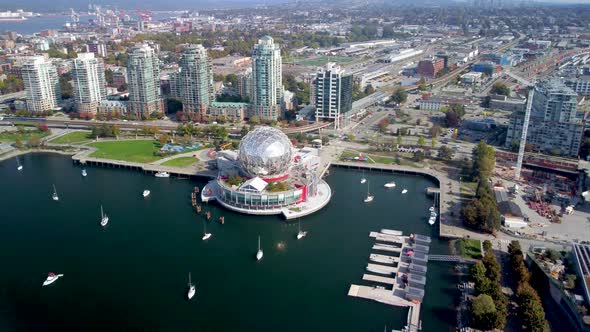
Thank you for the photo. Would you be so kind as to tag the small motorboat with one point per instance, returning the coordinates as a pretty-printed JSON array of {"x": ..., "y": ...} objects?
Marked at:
[
  {"x": 259, "y": 253},
  {"x": 104, "y": 219},
  {"x": 369, "y": 199},
  {"x": 301, "y": 234},
  {"x": 363, "y": 180},
  {"x": 431, "y": 209},
  {"x": 51, "y": 278},
  {"x": 390, "y": 185},
  {"x": 206, "y": 235},
  {"x": 404, "y": 191},
  {"x": 54, "y": 196},
  {"x": 146, "y": 193},
  {"x": 162, "y": 175},
  {"x": 84, "y": 173},
  {"x": 19, "y": 167},
  {"x": 191, "y": 288},
  {"x": 222, "y": 220},
  {"x": 432, "y": 220}
]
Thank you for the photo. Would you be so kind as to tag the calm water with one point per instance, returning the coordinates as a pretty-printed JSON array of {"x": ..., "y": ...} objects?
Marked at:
[{"x": 132, "y": 275}]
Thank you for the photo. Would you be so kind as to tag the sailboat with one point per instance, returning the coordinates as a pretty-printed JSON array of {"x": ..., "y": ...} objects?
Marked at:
[
  {"x": 104, "y": 219},
  {"x": 369, "y": 196},
  {"x": 51, "y": 278},
  {"x": 205, "y": 234},
  {"x": 390, "y": 185},
  {"x": 84, "y": 173},
  {"x": 259, "y": 254},
  {"x": 363, "y": 180},
  {"x": 191, "y": 288},
  {"x": 300, "y": 234},
  {"x": 404, "y": 191},
  {"x": 19, "y": 167},
  {"x": 54, "y": 196}
]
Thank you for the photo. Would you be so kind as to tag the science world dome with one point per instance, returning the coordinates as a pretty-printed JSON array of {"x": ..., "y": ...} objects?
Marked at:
[{"x": 265, "y": 152}]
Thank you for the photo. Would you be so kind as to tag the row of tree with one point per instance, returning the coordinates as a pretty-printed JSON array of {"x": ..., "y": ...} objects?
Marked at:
[
  {"x": 530, "y": 308},
  {"x": 188, "y": 129},
  {"x": 482, "y": 211},
  {"x": 490, "y": 308}
]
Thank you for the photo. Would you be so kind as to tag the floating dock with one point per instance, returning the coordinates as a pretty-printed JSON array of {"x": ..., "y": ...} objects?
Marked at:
[{"x": 403, "y": 270}]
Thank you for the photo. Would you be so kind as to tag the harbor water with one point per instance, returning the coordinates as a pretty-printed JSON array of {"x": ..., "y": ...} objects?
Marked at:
[{"x": 133, "y": 274}]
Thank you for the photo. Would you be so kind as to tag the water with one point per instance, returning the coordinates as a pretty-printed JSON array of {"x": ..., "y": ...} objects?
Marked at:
[{"x": 133, "y": 273}]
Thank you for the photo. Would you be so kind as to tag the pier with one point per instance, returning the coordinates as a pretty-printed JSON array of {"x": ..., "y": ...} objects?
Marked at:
[{"x": 403, "y": 273}]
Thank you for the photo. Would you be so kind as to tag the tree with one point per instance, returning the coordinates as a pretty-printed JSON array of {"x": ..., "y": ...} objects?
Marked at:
[
  {"x": 173, "y": 106},
  {"x": 67, "y": 90},
  {"x": 244, "y": 131},
  {"x": 484, "y": 160},
  {"x": 451, "y": 119},
  {"x": 421, "y": 141},
  {"x": 500, "y": 89},
  {"x": 445, "y": 153},
  {"x": 484, "y": 312},
  {"x": 419, "y": 156},
  {"x": 254, "y": 120},
  {"x": 18, "y": 143},
  {"x": 383, "y": 125},
  {"x": 399, "y": 95},
  {"x": 435, "y": 130},
  {"x": 433, "y": 143},
  {"x": 531, "y": 310}
]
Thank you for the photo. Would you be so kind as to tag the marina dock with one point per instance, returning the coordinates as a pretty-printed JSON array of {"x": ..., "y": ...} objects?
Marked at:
[{"x": 399, "y": 277}]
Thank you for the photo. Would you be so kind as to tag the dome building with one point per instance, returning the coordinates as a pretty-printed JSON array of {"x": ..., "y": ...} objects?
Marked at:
[{"x": 268, "y": 176}]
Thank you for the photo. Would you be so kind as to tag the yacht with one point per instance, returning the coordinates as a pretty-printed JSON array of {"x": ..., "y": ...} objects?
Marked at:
[
  {"x": 84, "y": 172},
  {"x": 51, "y": 278},
  {"x": 300, "y": 234},
  {"x": 162, "y": 175},
  {"x": 390, "y": 185},
  {"x": 259, "y": 254},
  {"x": 369, "y": 196},
  {"x": 19, "y": 167},
  {"x": 146, "y": 193},
  {"x": 55, "y": 197},
  {"x": 404, "y": 191},
  {"x": 191, "y": 287},
  {"x": 104, "y": 219},
  {"x": 432, "y": 220},
  {"x": 206, "y": 235}
]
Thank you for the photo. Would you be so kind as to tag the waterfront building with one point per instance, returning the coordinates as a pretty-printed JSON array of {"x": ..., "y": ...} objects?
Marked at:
[
  {"x": 41, "y": 83},
  {"x": 268, "y": 176},
  {"x": 556, "y": 125},
  {"x": 193, "y": 82},
  {"x": 266, "y": 79},
  {"x": 333, "y": 94},
  {"x": 89, "y": 82},
  {"x": 143, "y": 74}
]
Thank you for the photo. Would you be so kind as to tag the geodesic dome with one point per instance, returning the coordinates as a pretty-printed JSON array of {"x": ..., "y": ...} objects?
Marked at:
[{"x": 265, "y": 152}]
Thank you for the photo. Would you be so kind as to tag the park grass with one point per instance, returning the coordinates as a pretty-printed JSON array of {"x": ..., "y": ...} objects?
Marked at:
[
  {"x": 73, "y": 137},
  {"x": 468, "y": 248},
  {"x": 180, "y": 162},
  {"x": 140, "y": 151},
  {"x": 12, "y": 136}
]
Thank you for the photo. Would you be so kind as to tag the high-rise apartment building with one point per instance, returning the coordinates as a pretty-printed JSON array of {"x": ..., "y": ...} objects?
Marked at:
[
  {"x": 556, "y": 126},
  {"x": 333, "y": 94},
  {"x": 193, "y": 83},
  {"x": 89, "y": 82},
  {"x": 266, "y": 79},
  {"x": 245, "y": 84},
  {"x": 41, "y": 84},
  {"x": 143, "y": 74},
  {"x": 97, "y": 48}
]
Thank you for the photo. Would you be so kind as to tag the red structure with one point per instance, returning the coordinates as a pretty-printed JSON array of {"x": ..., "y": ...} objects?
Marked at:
[{"x": 430, "y": 67}]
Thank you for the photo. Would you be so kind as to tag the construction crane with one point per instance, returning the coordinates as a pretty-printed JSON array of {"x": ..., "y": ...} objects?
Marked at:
[{"x": 525, "y": 123}]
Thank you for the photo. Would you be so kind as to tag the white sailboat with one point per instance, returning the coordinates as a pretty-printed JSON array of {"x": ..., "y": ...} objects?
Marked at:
[
  {"x": 404, "y": 191},
  {"x": 104, "y": 219},
  {"x": 369, "y": 196},
  {"x": 205, "y": 234},
  {"x": 390, "y": 185},
  {"x": 259, "y": 254},
  {"x": 19, "y": 167},
  {"x": 300, "y": 234},
  {"x": 363, "y": 180},
  {"x": 51, "y": 278},
  {"x": 191, "y": 288},
  {"x": 146, "y": 193},
  {"x": 84, "y": 173},
  {"x": 54, "y": 196}
]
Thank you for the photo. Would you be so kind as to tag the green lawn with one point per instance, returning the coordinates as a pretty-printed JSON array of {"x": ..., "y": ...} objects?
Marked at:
[
  {"x": 134, "y": 151},
  {"x": 74, "y": 137},
  {"x": 469, "y": 248},
  {"x": 181, "y": 161},
  {"x": 12, "y": 136}
]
